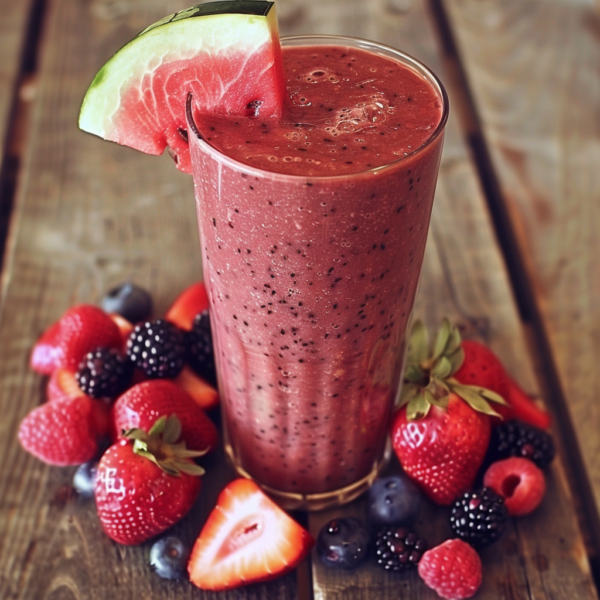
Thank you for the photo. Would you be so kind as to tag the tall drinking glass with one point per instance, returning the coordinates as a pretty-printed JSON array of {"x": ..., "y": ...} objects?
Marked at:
[{"x": 311, "y": 282}]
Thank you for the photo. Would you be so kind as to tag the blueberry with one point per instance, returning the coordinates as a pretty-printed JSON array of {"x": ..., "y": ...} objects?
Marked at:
[
  {"x": 343, "y": 543},
  {"x": 130, "y": 301},
  {"x": 393, "y": 500},
  {"x": 169, "y": 556},
  {"x": 84, "y": 479}
]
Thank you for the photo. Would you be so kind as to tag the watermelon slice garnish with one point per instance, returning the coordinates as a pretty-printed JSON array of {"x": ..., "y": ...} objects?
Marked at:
[{"x": 226, "y": 53}]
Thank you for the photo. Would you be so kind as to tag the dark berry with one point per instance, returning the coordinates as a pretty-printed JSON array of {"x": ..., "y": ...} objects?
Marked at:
[
  {"x": 84, "y": 479},
  {"x": 168, "y": 557},
  {"x": 158, "y": 348},
  {"x": 343, "y": 543},
  {"x": 515, "y": 438},
  {"x": 130, "y": 301},
  {"x": 104, "y": 373},
  {"x": 393, "y": 500},
  {"x": 398, "y": 548},
  {"x": 200, "y": 348},
  {"x": 479, "y": 517}
]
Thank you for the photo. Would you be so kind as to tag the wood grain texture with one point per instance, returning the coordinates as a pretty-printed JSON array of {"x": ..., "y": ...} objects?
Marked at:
[
  {"x": 13, "y": 31},
  {"x": 534, "y": 70},
  {"x": 90, "y": 214}
]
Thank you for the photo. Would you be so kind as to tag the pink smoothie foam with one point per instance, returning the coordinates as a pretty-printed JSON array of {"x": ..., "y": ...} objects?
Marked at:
[{"x": 312, "y": 267}]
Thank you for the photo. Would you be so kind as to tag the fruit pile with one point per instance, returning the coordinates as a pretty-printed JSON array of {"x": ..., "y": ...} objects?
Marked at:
[
  {"x": 127, "y": 397},
  {"x": 467, "y": 437}
]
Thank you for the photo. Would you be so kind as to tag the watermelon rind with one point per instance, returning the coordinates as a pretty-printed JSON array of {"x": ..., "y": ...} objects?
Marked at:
[{"x": 213, "y": 29}]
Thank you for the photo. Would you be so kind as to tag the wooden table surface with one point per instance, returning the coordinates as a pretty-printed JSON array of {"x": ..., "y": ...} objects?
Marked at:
[{"x": 511, "y": 257}]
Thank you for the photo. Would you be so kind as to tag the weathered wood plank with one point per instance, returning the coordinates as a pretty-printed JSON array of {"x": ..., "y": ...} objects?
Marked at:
[
  {"x": 13, "y": 31},
  {"x": 464, "y": 278},
  {"x": 533, "y": 68}
]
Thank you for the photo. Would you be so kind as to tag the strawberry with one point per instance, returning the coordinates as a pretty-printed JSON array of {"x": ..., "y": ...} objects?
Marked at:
[
  {"x": 66, "y": 431},
  {"x": 452, "y": 569},
  {"x": 146, "y": 482},
  {"x": 202, "y": 392},
  {"x": 187, "y": 305},
  {"x": 63, "y": 384},
  {"x": 142, "y": 404},
  {"x": 441, "y": 431},
  {"x": 247, "y": 538},
  {"x": 483, "y": 368},
  {"x": 443, "y": 450},
  {"x": 44, "y": 355},
  {"x": 125, "y": 328}
]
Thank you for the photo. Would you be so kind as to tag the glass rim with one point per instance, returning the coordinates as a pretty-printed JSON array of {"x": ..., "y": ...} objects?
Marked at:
[{"x": 337, "y": 40}]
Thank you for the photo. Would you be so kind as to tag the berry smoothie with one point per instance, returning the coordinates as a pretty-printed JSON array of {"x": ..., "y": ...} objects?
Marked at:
[{"x": 313, "y": 230}]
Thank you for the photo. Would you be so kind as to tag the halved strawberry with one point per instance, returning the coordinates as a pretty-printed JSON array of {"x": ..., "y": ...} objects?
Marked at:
[
  {"x": 141, "y": 405},
  {"x": 66, "y": 431},
  {"x": 247, "y": 538},
  {"x": 187, "y": 305},
  {"x": 202, "y": 392},
  {"x": 84, "y": 328},
  {"x": 44, "y": 354},
  {"x": 125, "y": 327},
  {"x": 63, "y": 384},
  {"x": 483, "y": 368}
]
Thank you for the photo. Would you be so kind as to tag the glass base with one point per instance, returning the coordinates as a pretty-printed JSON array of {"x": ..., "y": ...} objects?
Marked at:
[{"x": 320, "y": 501}]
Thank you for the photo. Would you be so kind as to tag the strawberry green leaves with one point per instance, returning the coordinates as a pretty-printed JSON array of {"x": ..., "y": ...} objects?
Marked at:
[
  {"x": 161, "y": 446},
  {"x": 428, "y": 374}
]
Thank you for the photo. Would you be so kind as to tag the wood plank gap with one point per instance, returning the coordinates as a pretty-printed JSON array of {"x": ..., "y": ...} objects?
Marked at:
[
  {"x": 538, "y": 340},
  {"x": 19, "y": 120}
]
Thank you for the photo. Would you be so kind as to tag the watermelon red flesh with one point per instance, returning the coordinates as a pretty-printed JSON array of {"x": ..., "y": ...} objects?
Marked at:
[{"x": 153, "y": 117}]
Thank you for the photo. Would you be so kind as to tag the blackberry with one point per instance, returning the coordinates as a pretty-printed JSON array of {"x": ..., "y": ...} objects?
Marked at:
[
  {"x": 104, "y": 373},
  {"x": 200, "y": 354},
  {"x": 158, "y": 348},
  {"x": 479, "y": 517},
  {"x": 515, "y": 438},
  {"x": 397, "y": 548}
]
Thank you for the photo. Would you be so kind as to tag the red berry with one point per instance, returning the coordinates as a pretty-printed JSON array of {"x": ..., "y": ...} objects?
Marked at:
[
  {"x": 187, "y": 305},
  {"x": 443, "y": 450},
  {"x": 452, "y": 569},
  {"x": 66, "y": 431},
  {"x": 246, "y": 538},
  {"x": 136, "y": 499},
  {"x": 81, "y": 329},
  {"x": 519, "y": 481},
  {"x": 44, "y": 355},
  {"x": 481, "y": 367},
  {"x": 141, "y": 405}
]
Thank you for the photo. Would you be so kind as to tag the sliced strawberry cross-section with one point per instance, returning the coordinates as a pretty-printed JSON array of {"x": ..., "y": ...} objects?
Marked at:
[{"x": 247, "y": 538}]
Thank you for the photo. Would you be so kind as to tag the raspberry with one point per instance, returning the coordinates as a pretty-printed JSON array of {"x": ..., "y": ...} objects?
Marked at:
[
  {"x": 397, "y": 548},
  {"x": 452, "y": 569},
  {"x": 515, "y": 438},
  {"x": 479, "y": 517},
  {"x": 104, "y": 373},
  {"x": 200, "y": 348},
  {"x": 519, "y": 481},
  {"x": 158, "y": 348}
]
